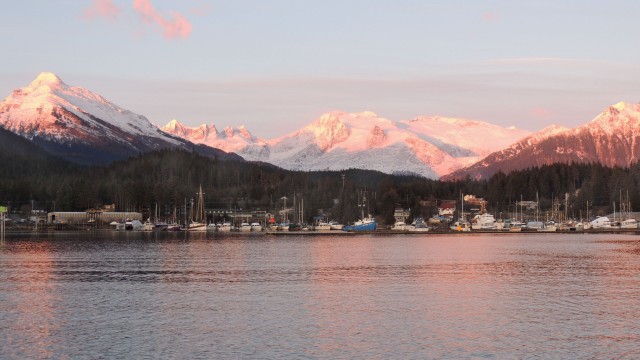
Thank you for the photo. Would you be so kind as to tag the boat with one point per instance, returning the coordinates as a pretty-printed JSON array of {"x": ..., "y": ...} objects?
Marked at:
[
  {"x": 160, "y": 225},
  {"x": 601, "y": 222},
  {"x": 399, "y": 226},
  {"x": 535, "y": 225},
  {"x": 224, "y": 227},
  {"x": 484, "y": 221},
  {"x": 461, "y": 225},
  {"x": 196, "y": 226},
  {"x": 334, "y": 225},
  {"x": 148, "y": 225},
  {"x": 629, "y": 224},
  {"x": 418, "y": 225},
  {"x": 515, "y": 226},
  {"x": 323, "y": 226},
  {"x": 548, "y": 226},
  {"x": 256, "y": 226},
  {"x": 366, "y": 224},
  {"x": 245, "y": 227},
  {"x": 173, "y": 227}
]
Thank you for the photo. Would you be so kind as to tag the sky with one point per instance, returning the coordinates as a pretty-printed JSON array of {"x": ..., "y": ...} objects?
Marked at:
[{"x": 277, "y": 65}]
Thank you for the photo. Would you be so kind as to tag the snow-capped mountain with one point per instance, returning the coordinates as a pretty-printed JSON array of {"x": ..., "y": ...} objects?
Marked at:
[
  {"x": 229, "y": 139},
  {"x": 81, "y": 126},
  {"x": 611, "y": 139},
  {"x": 429, "y": 146}
]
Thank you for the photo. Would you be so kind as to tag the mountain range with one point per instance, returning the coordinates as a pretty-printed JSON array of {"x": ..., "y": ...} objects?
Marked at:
[
  {"x": 78, "y": 125},
  {"x": 427, "y": 146}
]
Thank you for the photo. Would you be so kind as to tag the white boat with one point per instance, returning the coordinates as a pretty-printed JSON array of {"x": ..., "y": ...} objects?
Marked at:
[
  {"x": 629, "y": 224},
  {"x": 334, "y": 225},
  {"x": 461, "y": 225},
  {"x": 483, "y": 222},
  {"x": 548, "y": 226},
  {"x": 224, "y": 227},
  {"x": 535, "y": 225},
  {"x": 601, "y": 222},
  {"x": 148, "y": 225},
  {"x": 399, "y": 226},
  {"x": 323, "y": 226},
  {"x": 418, "y": 225},
  {"x": 196, "y": 226},
  {"x": 256, "y": 226},
  {"x": 244, "y": 227},
  {"x": 515, "y": 226},
  {"x": 212, "y": 227}
]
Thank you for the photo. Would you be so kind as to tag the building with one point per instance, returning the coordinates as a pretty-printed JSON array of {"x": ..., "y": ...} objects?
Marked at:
[
  {"x": 83, "y": 217},
  {"x": 447, "y": 208}
]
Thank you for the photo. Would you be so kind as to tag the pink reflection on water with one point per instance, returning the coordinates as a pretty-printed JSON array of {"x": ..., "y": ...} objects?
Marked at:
[{"x": 30, "y": 304}]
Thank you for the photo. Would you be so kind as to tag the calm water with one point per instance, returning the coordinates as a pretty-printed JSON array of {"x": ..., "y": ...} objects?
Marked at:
[{"x": 145, "y": 296}]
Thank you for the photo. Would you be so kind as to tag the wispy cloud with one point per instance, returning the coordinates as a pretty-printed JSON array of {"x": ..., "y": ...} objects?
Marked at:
[
  {"x": 102, "y": 8},
  {"x": 173, "y": 26}
]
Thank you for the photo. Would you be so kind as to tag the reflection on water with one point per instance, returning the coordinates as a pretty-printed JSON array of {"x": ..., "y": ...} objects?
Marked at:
[{"x": 201, "y": 296}]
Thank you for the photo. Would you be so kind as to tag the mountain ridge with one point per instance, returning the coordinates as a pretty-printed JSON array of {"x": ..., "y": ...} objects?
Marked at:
[
  {"x": 82, "y": 126},
  {"x": 430, "y": 146},
  {"x": 612, "y": 139}
]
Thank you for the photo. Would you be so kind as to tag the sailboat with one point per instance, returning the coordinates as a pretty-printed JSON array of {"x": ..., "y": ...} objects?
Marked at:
[
  {"x": 625, "y": 207},
  {"x": 197, "y": 223},
  {"x": 461, "y": 224}
]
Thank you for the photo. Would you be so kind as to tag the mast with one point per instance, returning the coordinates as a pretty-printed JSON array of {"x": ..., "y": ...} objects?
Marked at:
[{"x": 537, "y": 206}]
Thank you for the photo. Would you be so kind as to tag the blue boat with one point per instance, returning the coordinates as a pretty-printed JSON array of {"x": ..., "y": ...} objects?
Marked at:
[{"x": 366, "y": 224}]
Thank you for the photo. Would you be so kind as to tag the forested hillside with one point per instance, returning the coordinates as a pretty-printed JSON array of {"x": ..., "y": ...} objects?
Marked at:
[{"x": 171, "y": 177}]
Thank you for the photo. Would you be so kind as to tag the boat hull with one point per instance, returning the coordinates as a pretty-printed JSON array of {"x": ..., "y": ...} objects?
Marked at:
[{"x": 371, "y": 226}]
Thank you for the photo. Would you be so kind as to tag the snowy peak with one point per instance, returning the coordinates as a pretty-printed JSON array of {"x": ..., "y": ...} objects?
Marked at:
[
  {"x": 198, "y": 134},
  {"x": 329, "y": 129},
  {"x": 47, "y": 79},
  {"x": 81, "y": 126},
  {"x": 619, "y": 117},
  {"x": 230, "y": 139}
]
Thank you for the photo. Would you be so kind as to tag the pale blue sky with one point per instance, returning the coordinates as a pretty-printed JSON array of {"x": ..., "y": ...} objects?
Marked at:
[{"x": 276, "y": 65}]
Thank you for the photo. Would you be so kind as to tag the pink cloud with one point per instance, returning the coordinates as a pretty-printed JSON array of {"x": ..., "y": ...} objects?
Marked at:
[
  {"x": 102, "y": 8},
  {"x": 540, "y": 113},
  {"x": 175, "y": 26},
  {"x": 490, "y": 17}
]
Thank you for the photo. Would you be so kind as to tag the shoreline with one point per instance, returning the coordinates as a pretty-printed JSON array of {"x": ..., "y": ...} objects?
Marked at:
[{"x": 385, "y": 232}]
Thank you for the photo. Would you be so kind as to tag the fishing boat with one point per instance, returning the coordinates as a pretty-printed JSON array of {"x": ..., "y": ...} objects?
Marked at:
[{"x": 365, "y": 224}]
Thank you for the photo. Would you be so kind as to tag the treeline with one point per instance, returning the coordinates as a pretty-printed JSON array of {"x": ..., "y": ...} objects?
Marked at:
[{"x": 171, "y": 178}]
